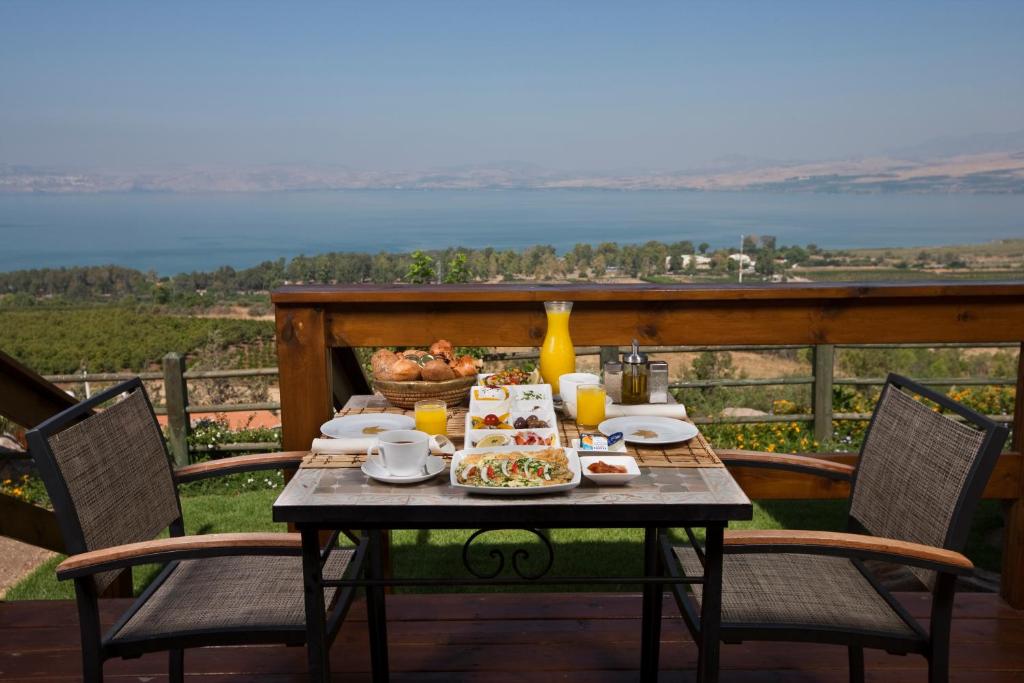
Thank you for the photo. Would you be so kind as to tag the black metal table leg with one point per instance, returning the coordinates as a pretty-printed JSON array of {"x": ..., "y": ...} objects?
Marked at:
[
  {"x": 711, "y": 605},
  {"x": 316, "y": 618},
  {"x": 650, "y": 621},
  {"x": 376, "y": 616}
]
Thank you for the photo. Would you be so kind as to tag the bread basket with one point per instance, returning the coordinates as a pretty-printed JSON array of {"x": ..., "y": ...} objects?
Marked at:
[{"x": 453, "y": 392}]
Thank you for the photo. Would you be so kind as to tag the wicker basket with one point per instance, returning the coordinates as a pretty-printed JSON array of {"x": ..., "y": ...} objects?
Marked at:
[{"x": 454, "y": 392}]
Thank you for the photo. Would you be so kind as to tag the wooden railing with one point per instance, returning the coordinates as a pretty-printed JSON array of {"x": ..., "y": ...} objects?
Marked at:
[
  {"x": 179, "y": 409},
  {"x": 318, "y": 327}
]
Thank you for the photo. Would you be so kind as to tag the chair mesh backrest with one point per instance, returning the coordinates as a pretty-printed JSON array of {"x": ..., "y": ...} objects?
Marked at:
[
  {"x": 914, "y": 466},
  {"x": 118, "y": 478}
]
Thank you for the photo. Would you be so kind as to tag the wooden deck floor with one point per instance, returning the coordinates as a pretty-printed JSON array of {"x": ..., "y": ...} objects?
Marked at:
[{"x": 504, "y": 638}]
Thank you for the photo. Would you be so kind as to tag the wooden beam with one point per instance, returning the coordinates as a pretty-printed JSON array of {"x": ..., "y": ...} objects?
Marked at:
[
  {"x": 459, "y": 294},
  {"x": 30, "y": 524},
  {"x": 305, "y": 375},
  {"x": 761, "y": 483},
  {"x": 1012, "y": 577},
  {"x": 821, "y": 390},
  {"x": 25, "y": 397},
  {"x": 801, "y": 321},
  {"x": 176, "y": 402}
]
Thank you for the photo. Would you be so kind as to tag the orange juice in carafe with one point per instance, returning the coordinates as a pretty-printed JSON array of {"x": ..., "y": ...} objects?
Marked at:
[{"x": 557, "y": 355}]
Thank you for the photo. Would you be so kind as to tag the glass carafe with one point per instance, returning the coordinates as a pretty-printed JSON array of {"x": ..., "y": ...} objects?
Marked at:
[{"x": 557, "y": 355}]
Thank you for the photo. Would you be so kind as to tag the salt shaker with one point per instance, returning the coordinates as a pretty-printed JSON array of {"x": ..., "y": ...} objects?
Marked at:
[
  {"x": 613, "y": 380},
  {"x": 657, "y": 381},
  {"x": 634, "y": 376}
]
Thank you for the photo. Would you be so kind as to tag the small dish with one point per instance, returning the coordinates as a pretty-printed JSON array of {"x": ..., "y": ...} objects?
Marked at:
[
  {"x": 373, "y": 470},
  {"x": 610, "y": 478}
]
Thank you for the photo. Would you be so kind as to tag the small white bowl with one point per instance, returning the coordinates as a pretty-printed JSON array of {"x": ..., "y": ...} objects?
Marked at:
[{"x": 611, "y": 478}]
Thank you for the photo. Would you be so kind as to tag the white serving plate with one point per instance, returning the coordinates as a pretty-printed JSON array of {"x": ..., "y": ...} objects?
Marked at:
[
  {"x": 574, "y": 467},
  {"x": 610, "y": 478},
  {"x": 665, "y": 429},
  {"x": 353, "y": 426}
]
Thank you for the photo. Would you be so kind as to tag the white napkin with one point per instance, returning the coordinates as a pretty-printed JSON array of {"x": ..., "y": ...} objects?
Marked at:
[
  {"x": 676, "y": 410},
  {"x": 439, "y": 445}
]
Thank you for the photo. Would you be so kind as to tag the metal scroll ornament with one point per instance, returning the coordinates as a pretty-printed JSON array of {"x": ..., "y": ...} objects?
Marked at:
[{"x": 518, "y": 555}]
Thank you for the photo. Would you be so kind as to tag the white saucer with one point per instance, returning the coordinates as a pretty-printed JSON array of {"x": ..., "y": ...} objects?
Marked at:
[{"x": 434, "y": 465}]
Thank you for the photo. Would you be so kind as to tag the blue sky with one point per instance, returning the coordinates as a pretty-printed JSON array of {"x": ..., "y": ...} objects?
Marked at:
[{"x": 572, "y": 86}]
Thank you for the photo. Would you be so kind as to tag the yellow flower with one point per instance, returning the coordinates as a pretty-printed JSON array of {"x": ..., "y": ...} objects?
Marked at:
[{"x": 770, "y": 448}]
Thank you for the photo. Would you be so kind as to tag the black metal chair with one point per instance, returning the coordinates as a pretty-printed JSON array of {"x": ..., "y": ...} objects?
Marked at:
[
  {"x": 109, "y": 478},
  {"x": 915, "y": 488}
]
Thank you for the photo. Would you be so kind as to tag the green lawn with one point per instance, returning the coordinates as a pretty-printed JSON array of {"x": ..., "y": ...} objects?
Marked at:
[{"x": 580, "y": 552}]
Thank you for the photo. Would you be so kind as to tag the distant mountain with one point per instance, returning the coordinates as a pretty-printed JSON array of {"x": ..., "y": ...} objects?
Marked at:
[
  {"x": 976, "y": 164},
  {"x": 959, "y": 145}
]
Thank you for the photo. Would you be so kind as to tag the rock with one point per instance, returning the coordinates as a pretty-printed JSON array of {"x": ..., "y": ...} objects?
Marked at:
[{"x": 741, "y": 412}]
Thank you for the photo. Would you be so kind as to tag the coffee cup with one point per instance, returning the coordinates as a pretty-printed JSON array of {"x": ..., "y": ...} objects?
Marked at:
[{"x": 402, "y": 452}]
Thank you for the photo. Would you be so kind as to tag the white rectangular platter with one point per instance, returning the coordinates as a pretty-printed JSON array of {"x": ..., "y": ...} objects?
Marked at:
[{"x": 570, "y": 454}]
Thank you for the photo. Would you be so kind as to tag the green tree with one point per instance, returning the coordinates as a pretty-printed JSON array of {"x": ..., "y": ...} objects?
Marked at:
[
  {"x": 703, "y": 248},
  {"x": 457, "y": 270},
  {"x": 421, "y": 270}
]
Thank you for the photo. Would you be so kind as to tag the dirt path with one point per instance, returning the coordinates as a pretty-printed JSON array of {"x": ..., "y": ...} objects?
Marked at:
[{"x": 17, "y": 560}]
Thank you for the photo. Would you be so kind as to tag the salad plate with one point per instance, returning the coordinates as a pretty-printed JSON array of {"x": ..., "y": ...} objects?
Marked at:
[
  {"x": 649, "y": 430},
  {"x": 363, "y": 426},
  {"x": 516, "y": 470}
]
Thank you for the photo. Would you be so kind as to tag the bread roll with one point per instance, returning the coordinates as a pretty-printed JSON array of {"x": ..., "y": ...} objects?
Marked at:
[
  {"x": 465, "y": 366},
  {"x": 405, "y": 370},
  {"x": 437, "y": 371},
  {"x": 381, "y": 362},
  {"x": 442, "y": 349}
]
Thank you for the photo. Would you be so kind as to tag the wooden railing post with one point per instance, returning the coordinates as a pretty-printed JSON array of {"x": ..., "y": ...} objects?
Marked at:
[
  {"x": 823, "y": 367},
  {"x": 176, "y": 400},
  {"x": 1012, "y": 580}
]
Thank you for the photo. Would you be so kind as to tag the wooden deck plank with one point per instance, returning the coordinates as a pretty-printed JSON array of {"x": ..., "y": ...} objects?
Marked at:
[{"x": 569, "y": 637}]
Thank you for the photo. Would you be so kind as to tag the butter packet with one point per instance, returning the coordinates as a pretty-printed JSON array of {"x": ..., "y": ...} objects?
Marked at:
[{"x": 593, "y": 442}]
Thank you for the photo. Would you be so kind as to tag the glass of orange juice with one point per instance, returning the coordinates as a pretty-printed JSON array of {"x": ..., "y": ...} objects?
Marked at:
[
  {"x": 590, "y": 403},
  {"x": 432, "y": 417}
]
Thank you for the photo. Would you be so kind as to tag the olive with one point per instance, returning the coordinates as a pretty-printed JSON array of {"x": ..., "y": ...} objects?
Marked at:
[{"x": 521, "y": 423}]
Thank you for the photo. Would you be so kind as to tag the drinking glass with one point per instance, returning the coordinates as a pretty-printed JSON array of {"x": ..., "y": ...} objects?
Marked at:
[
  {"x": 590, "y": 403},
  {"x": 432, "y": 417}
]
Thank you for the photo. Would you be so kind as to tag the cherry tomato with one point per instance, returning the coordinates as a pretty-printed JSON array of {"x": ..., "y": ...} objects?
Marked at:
[{"x": 490, "y": 472}]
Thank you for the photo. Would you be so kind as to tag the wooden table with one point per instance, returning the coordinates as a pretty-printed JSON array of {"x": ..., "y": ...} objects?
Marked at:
[{"x": 663, "y": 496}]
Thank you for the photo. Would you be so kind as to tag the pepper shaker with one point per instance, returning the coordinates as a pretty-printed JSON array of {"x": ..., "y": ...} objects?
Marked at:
[{"x": 658, "y": 381}]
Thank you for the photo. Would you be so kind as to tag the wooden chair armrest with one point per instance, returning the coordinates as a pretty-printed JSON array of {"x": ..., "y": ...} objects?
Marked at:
[
  {"x": 162, "y": 550},
  {"x": 239, "y": 463},
  {"x": 847, "y": 545},
  {"x": 787, "y": 461}
]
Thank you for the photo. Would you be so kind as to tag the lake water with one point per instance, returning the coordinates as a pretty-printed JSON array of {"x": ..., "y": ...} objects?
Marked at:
[{"x": 171, "y": 233}]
